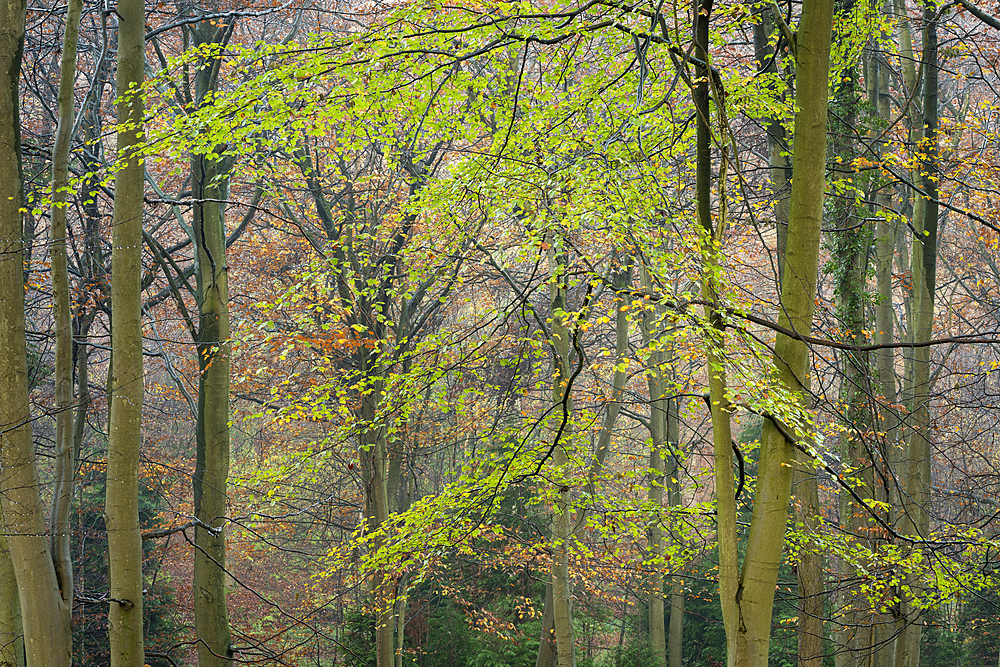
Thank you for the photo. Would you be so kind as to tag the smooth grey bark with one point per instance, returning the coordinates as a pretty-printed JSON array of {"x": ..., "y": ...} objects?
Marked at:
[
  {"x": 655, "y": 367},
  {"x": 44, "y": 617},
  {"x": 65, "y": 460},
  {"x": 902, "y": 629},
  {"x": 810, "y": 570},
  {"x": 126, "y": 374},
  {"x": 560, "y": 428},
  {"x": 210, "y": 190}
]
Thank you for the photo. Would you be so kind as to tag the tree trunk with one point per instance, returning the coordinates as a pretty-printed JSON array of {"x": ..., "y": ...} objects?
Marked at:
[
  {"x": 886, "y": 233},
  {"x": 45, "y": 618},
  {"x": 851, "y": 241},
  {"x": 924, "y": 270},
  {"x": 748, "y": 629},
  {"x": 400, "y": 613},
  {"x": 657, "y": 435},
  {"x": 719, "y": 405},
  {"x": 675, "y": 635},
  {"x": 65, "y": 462},
  {"x": 810, "y": 571},
  {"x": 374, "y": 468},
  {"x": 902, "y": 647},
  {"x": 810, "y": 567},
  {"x": 547, "y": 642},
  {"x": 779, "y": 163},
  {"x": 126, "y": 373},
  {"x": 210, "y": 189},
  {"x": 11, "y": 632},
  {"x": 621, "y": 280},
  {"x": 561, "y": 416}
]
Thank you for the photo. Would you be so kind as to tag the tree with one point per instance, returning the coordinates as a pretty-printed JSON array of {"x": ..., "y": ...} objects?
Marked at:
[
  {"x": 126, "y": 377},
  {"x": 65, "y": 468},
  {"x": 747, "y": 604},
  {"x": 915, "y": 515},
  {"x": 44, "y": 613},
  {"x": 210, "y": 190}
]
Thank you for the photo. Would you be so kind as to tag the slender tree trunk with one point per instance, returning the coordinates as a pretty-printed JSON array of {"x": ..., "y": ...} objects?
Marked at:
[
  {"x": 126, "y": 374},
  {"x": 810, "y": 567},
  {"x": 212, "y": 464},
  {"x": 210, "y": 189},
  {"x": 924, "y": 263},
  {"x": 719, "y": 405},
  {"x": 562, "y": 417},
  {"x": 902, "y": 630},
  {"x": 374, "y": 467},
  {"x": 210, "y": 177},
  {"x": 675, "y": 632},
  {"x": 779, "y": 162},
  {"x": 400, "y": 613},
  {"x": 658, "y": 440},
  {"x": 885, "y": 244},
  {"x": 65, "y": 462},
  {"x": 44, "y": 615},
  {"x": 748, "y": 629},
  {"x": 621, "y": 280}
]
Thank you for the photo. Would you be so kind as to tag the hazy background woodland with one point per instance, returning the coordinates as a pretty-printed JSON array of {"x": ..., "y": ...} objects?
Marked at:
[{"x": 458, "y": 327}]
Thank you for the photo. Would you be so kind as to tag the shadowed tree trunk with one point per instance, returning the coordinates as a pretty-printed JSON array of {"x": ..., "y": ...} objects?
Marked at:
[
  {"x": 45, "y": 617},
  {"x": 851, "y": 239},
  {"x": 886, "y": 233},
  {"x": 210, "y": 190},
  {"x": 916, "y": 519},
  {"x": 900, "y": 649},
  {"x": 562, "y": 402}
]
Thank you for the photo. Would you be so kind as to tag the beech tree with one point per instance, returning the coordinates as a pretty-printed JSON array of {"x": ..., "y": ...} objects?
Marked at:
[
  {"x": 126, "y": 379},
  {"x": 44, "y": 613},
  {"x": 65, "y": 468},
  {"x": 451, "y": 365},
  {"x": 748, "y": 594}
]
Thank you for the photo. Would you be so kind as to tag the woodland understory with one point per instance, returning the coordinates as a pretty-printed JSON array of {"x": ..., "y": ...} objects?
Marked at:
[{"x": 500, "y": 333}]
